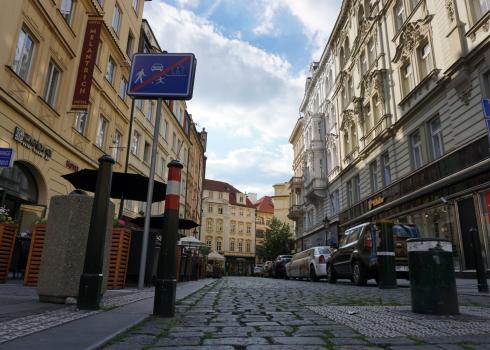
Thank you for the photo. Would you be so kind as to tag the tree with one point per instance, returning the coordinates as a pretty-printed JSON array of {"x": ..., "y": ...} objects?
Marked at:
[{"x": 276, "y": 242}]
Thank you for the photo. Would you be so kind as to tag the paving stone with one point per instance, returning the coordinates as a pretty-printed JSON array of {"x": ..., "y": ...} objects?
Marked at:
[
  {"x": 178, "y": 341},
  {"x": 348, "y": 341},
  {"x": 236, "y": 341},
  {"x": 197, "y": 347},
  {"x": 173, "y": 334},
  {"x": 284, "y": 347},
  {"x": 415, "y": 347},
  {"x": 298, "y": 340},
  {"x": 194, "y": 329},
  {"x": 262, "y": 323},
  {"x": 391, "y": 341},
  {"x": 296, "y": 323}
]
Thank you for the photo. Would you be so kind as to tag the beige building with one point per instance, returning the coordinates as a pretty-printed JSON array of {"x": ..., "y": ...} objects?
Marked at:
[
  {"x": 228, "y": 219},
  {"x": 264, "y": 214},
  {"x": 404, "y": 132},
  {"x": 41, "y": 84},
  {"x": 281, "y": 204}
]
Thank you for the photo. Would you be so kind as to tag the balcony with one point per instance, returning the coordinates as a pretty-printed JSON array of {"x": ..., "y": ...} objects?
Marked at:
[
  {"x": 315, "y": 187},
  {"x": 296, "y": 211},
  {"x": 351, "y": 157},
  {"x": 295, "y": 182},
  {"x": 374, "y": 135}
]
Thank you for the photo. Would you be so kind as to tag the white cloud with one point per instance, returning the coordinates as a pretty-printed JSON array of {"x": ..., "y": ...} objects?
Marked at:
[{"x": 189, "y": 3}]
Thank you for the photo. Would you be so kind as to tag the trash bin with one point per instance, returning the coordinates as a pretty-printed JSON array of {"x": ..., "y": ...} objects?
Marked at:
[{"x": 432, "y": 280}]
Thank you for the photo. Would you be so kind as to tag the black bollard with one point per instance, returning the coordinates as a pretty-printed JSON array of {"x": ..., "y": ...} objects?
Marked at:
[
  {"x": 166, "y": 282},
  {"x": 386, "y": 257},
  {"x": 90, "y": 289},
  {"x": 480, "y": 266}
]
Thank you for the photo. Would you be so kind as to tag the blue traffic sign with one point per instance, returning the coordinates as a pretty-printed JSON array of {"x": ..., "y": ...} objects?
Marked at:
[
  {"x": 162, "y": 75},
  {"x": 6, "y": 157},
  {"x": 486, "y": 108}
]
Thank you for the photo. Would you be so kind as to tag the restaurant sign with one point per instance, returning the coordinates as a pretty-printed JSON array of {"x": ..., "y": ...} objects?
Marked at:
[
  {"x": 87, "y": 62},
  {"x": 31, "y": 143},
  {"x": 374, "y": 202}
]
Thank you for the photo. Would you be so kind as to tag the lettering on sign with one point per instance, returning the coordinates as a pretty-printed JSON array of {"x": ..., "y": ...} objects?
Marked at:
[
  {"x": 374, "y": 202},
  {"x": 72, "y": 166},
  {"x": 87, "y": 62},
  {"x": 31, "y": 143}
]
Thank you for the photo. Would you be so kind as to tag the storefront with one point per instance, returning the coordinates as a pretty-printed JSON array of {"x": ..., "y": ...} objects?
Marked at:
[
  {"x": 444, "y": 199},
  {"x": 239, "y": 265}
]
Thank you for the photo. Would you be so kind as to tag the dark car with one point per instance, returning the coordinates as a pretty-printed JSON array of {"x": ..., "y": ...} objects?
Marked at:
[
  {"x": 279, "y": 266},
  {"x": 356, "y": 257}
]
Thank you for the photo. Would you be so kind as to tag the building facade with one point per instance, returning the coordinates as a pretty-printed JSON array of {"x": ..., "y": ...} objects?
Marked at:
[
  {"x": 280, "y": 200},
  {"x": 412, "y": 143},
  {"x": 264, "y": 211},
  {"x": 228, "y": 219},
  {"x": 54, "y": 114}
]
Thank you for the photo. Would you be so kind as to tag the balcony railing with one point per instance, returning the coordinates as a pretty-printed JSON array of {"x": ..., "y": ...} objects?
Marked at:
[
  {"x": 373, "y": 134},
  {"x": 296, "y": 181},
  {"x": 295, "y": 211},
  {"x": 349, "y": 159}
]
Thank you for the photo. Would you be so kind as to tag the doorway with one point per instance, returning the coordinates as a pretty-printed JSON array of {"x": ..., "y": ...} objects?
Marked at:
[{"x": 467, "y": 220}]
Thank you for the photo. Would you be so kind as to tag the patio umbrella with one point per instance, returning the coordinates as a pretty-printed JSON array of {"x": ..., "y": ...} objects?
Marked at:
[
  {"x": 156, "y": 222},
  {"x": 190, "y": 242},
  {"x": 213, "y": 256},
  {"x": 124, "y": 185}
]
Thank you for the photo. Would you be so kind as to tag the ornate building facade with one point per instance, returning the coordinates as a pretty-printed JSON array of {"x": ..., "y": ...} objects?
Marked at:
[{"x": 412, "y": 145}]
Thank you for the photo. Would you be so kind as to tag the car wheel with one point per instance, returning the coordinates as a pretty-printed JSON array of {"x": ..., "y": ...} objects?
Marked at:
[
  {"x": 359, "y": 274},
  {"x": 331, "y": 278},
  {"x": 313, "y": 276}
]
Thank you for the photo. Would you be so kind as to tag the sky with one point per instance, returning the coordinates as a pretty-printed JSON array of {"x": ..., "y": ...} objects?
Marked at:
[{"x": 253, "y": 57}]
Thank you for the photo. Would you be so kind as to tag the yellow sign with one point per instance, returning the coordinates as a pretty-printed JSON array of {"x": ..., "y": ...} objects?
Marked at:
[{"x": 374, "y": 202}]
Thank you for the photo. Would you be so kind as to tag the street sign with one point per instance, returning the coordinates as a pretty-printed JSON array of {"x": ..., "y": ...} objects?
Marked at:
[
  {"x": 162, "y": 75},
  {"x": 6, "y": 157},
  {"x": 486, "y": 112}
]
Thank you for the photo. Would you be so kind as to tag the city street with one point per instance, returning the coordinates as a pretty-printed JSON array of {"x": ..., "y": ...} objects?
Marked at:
[{"x": 262, "y": 313}]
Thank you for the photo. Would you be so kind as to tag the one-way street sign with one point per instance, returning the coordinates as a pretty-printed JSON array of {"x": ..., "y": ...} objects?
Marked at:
[{"x": 162, "y": 75}]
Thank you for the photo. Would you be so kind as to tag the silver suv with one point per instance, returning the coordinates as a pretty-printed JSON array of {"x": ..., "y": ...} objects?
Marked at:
[{"x": 310, "y": 263}]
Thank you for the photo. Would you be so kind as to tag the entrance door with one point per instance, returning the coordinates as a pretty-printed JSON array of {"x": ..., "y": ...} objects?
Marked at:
[{"x": 467, "y": 221}]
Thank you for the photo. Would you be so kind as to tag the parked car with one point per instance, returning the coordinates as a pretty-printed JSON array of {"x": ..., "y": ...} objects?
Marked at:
[
  {"x": 258, "y": 271},
  {"x": 279, "y": 266},
  {"x": 267, "y": 269},
  {"x": 310, "y": 263},
  {"x": 356, "y": 257}
]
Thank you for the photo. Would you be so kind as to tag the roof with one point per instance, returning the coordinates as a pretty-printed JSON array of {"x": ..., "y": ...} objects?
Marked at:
[
  {"x": 220, "y": 186},
  {"x": 265, "y": 205}
]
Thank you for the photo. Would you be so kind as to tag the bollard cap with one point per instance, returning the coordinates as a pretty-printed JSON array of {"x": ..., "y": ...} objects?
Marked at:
[
  {"x": 107, "y": 159},
  {"x": 175, "y": 164}
]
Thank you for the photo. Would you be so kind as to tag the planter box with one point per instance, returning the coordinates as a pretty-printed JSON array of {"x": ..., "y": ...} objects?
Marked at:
[
  {"x": 35, "y": 254},
  {"x": 118, "y": 263},
  {"x": 7, "y": 239}
]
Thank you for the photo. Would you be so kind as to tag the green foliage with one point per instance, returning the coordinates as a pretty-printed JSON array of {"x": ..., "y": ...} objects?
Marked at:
[
  {"x": 42, "y": 221},
  {"x": 204, "y": 250},
  {"x": 276, "y": 242},
  {"x": 5, "y": 217}
]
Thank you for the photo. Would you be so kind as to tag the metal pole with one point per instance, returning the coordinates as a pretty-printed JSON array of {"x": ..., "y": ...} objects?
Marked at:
[
  {"x": 128, "y": 150},
  {"x": 149, "y": 196},
  {"x": 480, "y": 266},
  {"x": 166, "y": 282},
  {"x": 90, "y": 289},
  {"x": 386, "y": 257}
]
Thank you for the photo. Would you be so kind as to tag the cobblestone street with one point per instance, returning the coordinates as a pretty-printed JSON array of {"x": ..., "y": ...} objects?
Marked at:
[{"x": 259, "y": 313}]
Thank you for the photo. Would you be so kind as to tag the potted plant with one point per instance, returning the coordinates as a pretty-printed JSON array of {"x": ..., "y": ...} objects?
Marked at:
[{"x": 8, "y": 229}]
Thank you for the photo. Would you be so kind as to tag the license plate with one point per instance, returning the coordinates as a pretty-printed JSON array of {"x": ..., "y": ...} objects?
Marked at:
[{"x": 402, "y": 268}]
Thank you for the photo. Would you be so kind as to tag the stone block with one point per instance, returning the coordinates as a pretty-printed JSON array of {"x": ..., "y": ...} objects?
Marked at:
[{"x": 65, "y": 246}]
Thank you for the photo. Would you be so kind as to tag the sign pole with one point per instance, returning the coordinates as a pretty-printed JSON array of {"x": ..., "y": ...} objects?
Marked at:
[{"x": 149, "y": 196}]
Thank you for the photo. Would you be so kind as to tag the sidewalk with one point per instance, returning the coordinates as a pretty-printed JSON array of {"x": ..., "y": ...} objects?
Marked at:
[{"x": 26, "y": 323}]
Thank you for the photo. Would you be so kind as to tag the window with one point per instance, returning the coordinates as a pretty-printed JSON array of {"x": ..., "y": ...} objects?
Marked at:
[
  {"x": 129, "y": 45},
  {"x": 149, "y": 110},
  {"x": 146, "y": 152},
  {"x": 240, "y": 227},
  {"x": 220, "y": 195},
  {"x": 116, "y": 148},
  {"x": 174, "y": 144},
  {"x": 101, "y": 132},
  {"x": 220, "y": 210},
  {"x": 241, "y": 210},
  {"x": 101, "y": 2},
  {"x": 51, "y": 86},
  {"x": 416, "y": 144},
  {"x": 241, "y": 201},
  {"x": 66, "y": 9},
  {"x": 385, "y": 168},
  {"x": 425, "y": 60},
  {"x": 219, "y": 225},
  {"x": 233, "y": 211},
  {"x": 232, "y": 246},
  {"x": 135, "y": 5},
  {"x": 436, "y": 138},
  {"x": 364, "y": 63},
  {"x": 408, "y": 82},
  {"x": 357, "y": 188},
  {"x": 165, "y": 129},
  {"x": 116, "y": 19},
  {"x": 268, "y": 221},
  {"x": 249, "y": 213},
  {"x": 413, "y": 4},
  {"x": 334, "y": 201},
  {"x": 209, "y": 242},
  {"x": 233, "y": 226},
  {"x": 109, "y": 75},
  {"x": 399, "y": 13},
  {"x": 350, "y": 193},
  {"x": 480, "y": 8},
  {"x": 81, "y": 121},
  {"x": 209, "y": 225},
  {"x": 371, "y": 51},
  {"x": 218, "y": 245},
  {"x": 162, "y": 167},
  {"x": 123, "y": 87},
  {"x": 210, "y": 195},
  {"x": 139, "y": 104},
  {"x": 376, "y": 109},
  {"x": 353, "y": 135},
  {"x": 247, "y": 247},
  {"x": 99, "y": 52},
  {"x": 23, "y": 54},
  {"x": 373, "y": 175},
  {"x": 210, "y": 208},
  {"x": 135, "y": 143},
  {"x": 249, "y": 227},
  {"x": 240, "y": 246},
  {"x": 368, "y": 119}
]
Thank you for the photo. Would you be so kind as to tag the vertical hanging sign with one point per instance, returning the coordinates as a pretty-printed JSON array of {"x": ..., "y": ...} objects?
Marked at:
[{"x": 88, "y": 56}]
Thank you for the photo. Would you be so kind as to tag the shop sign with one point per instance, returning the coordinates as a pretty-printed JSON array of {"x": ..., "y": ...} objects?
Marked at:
[
  {"x": 86, "y": 66},
  {"x": 374, "y": 202},
  {"x": 72, "y": 166},
  {"x": 6, "y": 157},
  {"x": 31, "y": 143}
]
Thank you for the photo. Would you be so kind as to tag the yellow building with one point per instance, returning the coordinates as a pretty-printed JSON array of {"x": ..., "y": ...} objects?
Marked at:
[
  {"x": 265, "y": 213},
  {"x": 44, "y": 75},
  {"x": 281, "y": 203},
  {"x": 228, "y": 219}
]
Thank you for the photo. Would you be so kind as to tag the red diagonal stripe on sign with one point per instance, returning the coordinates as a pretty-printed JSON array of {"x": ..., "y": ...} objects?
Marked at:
[{"x": 161, "y": 74}]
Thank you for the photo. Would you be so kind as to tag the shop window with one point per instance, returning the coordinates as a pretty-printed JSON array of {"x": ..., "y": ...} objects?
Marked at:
[
  {"x": 146, "y": 152},
  {"x": 436, "y": 140},
  {"x": 385, "y": 168},
  {"x": 116, "y": 147},
  {"x": 373, "y": 175},
  {"x": 81, "y": 121},
  {"x": 123, "y": 87},
  {"x": 135, "y": 143},
  {"x": 416, "y": 149},
  {"x": 116, "y": 19},
  {"x": 51, "y": 85},
  {"x": 23, "y": 54},
  {"x": 66, "y": 10},
  {"x": 111, "y": 67},
  {"x": 101, "y": 132}
]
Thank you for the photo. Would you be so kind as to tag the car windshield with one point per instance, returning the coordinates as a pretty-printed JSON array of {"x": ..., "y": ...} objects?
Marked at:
[{"x": 323, "y": 250}]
